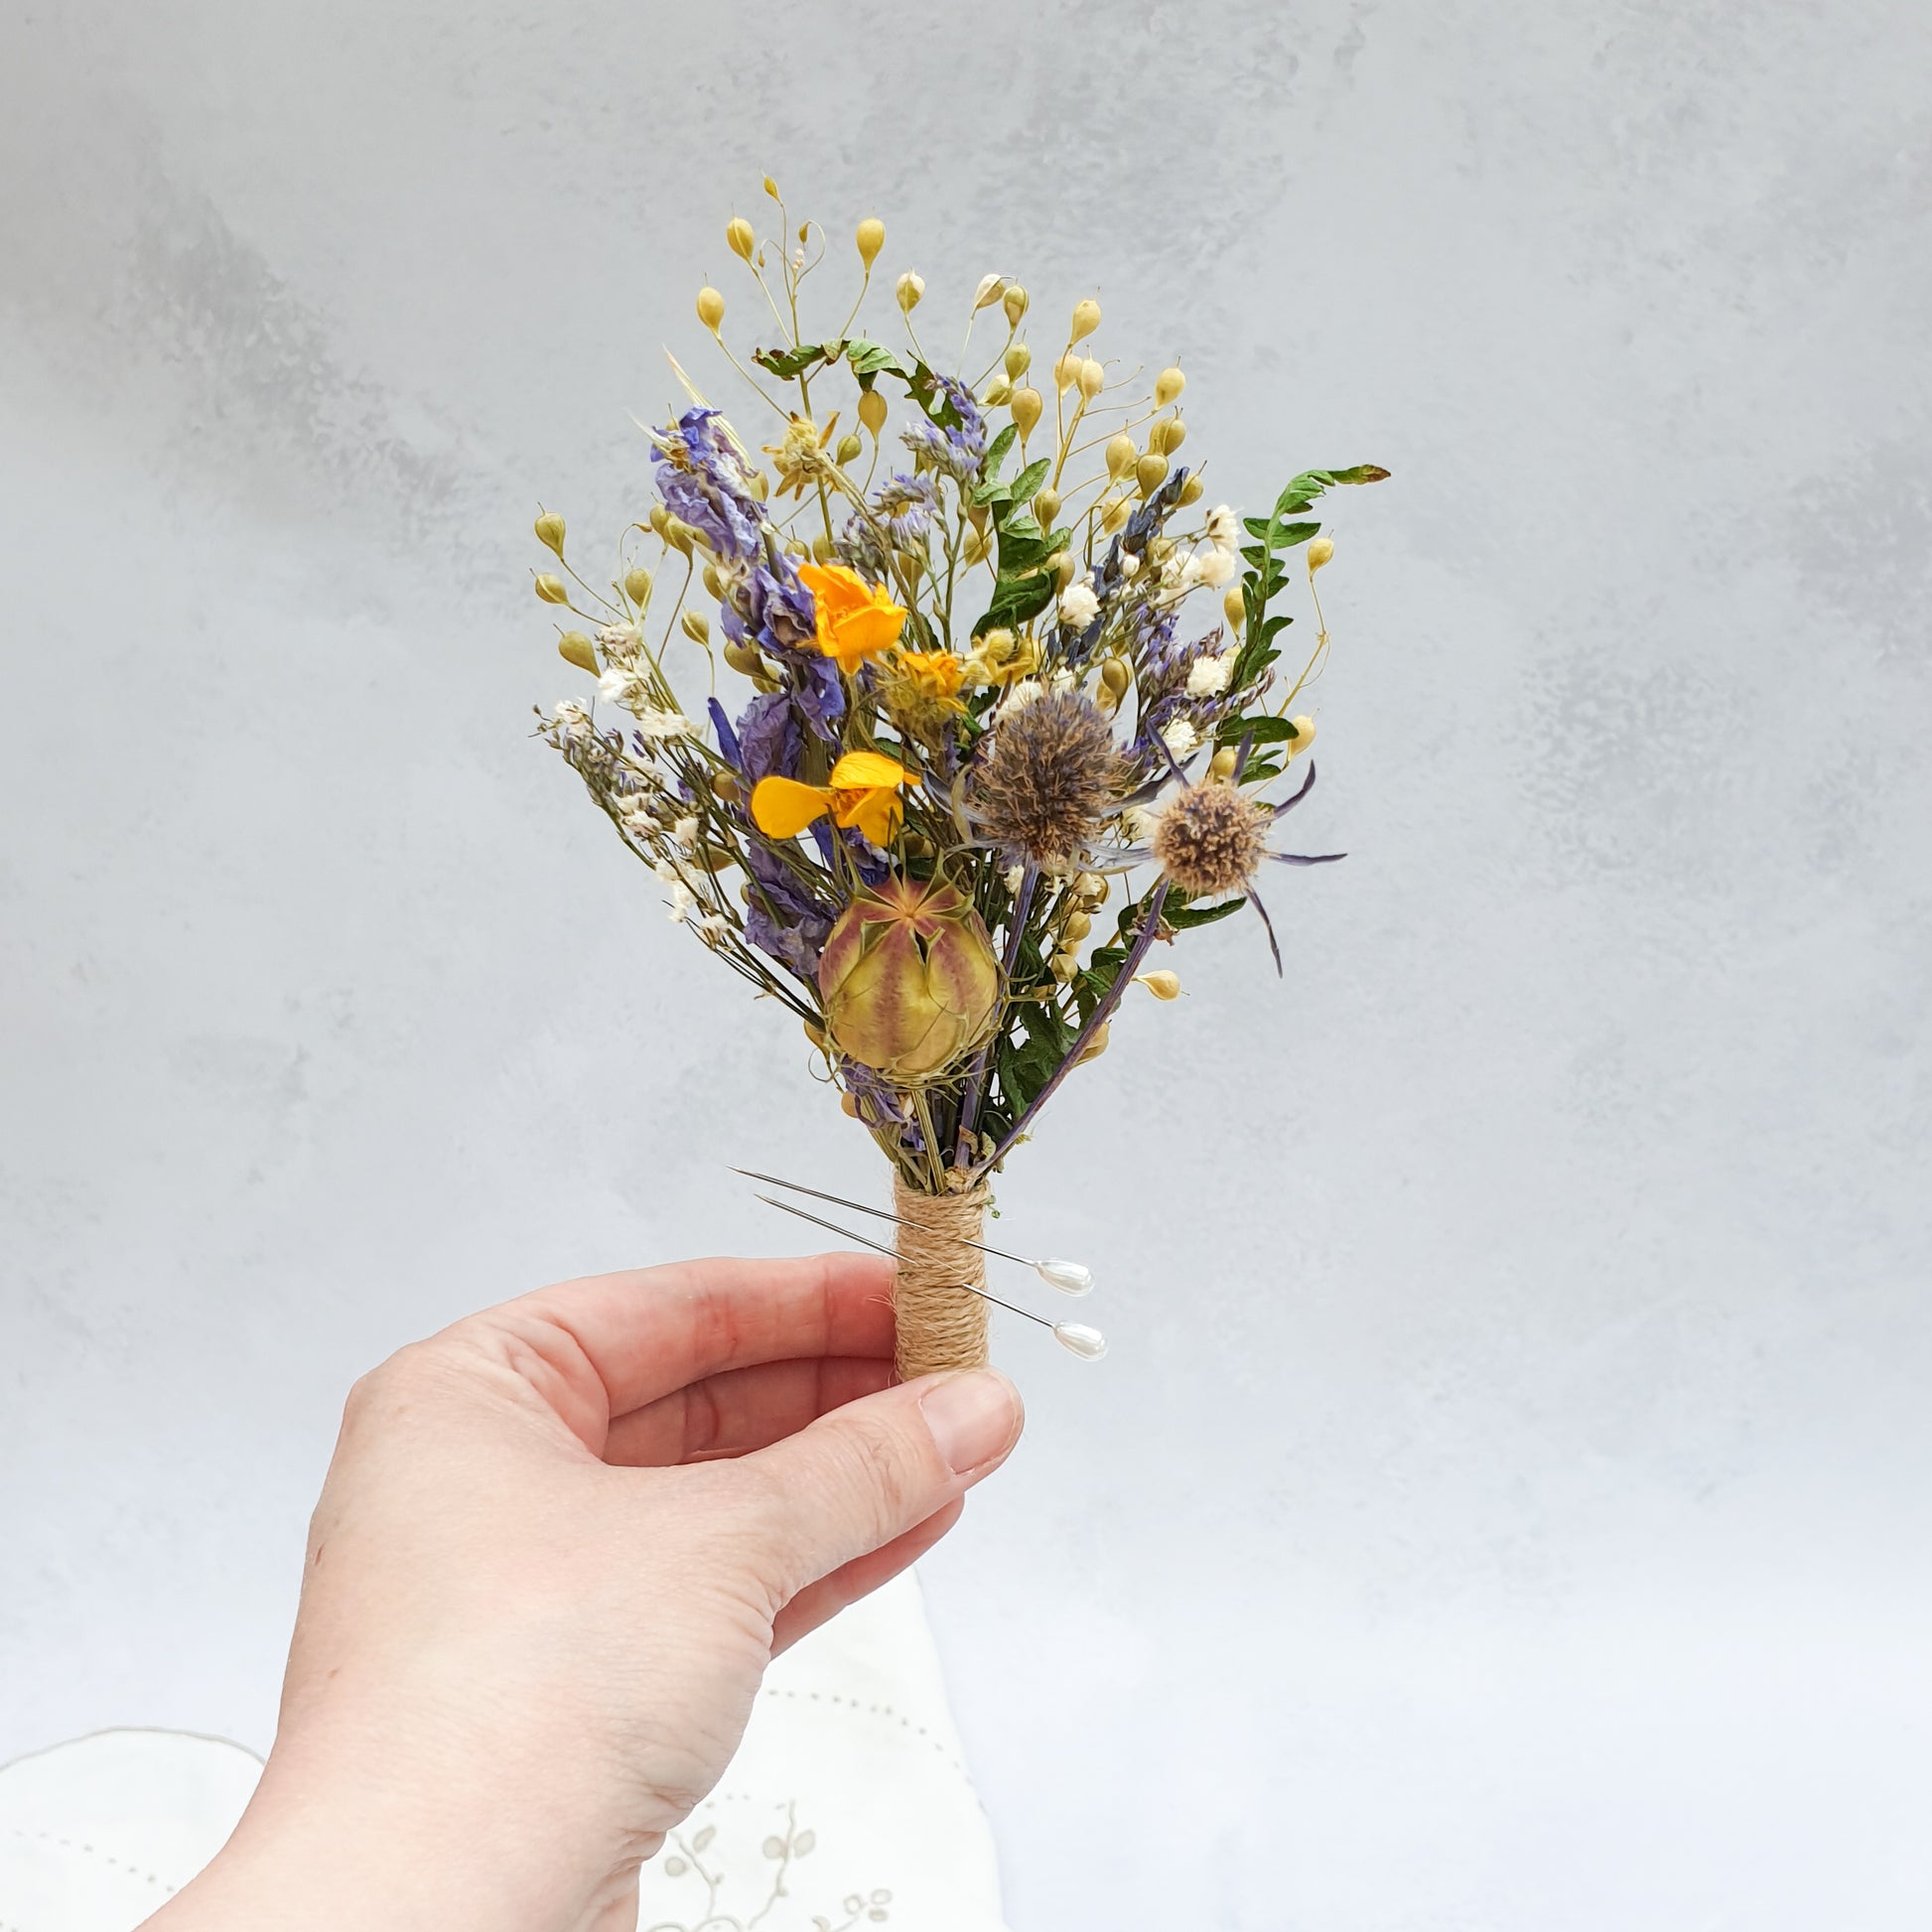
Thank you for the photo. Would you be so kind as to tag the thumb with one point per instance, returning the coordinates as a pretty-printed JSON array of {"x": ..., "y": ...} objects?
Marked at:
[{"x": 871, "y": 1470}]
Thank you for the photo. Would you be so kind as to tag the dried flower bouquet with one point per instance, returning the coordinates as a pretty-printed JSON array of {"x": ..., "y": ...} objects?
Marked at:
[{"x": 951, "y": 712}]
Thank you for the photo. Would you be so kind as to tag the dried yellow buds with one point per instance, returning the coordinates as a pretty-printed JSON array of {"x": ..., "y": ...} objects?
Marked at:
[
  {"x": 740, "y": 238},
  {"x": 1221, "y": 765},
  {"x": 1320, "y": 551},
  {"x": 553, "y": 589},
  {"x": 990, "y": 288},
  {"x": 1093, "y": 378},
  {"x": 1234, "y": 607},
  {"x": 848, "y": 449},
  {"x": 575, "y": 648},
  {"x": 1066, "y": 371},
  {"x": 694, "y": 625},
  {"x": 872, "y": 411},
  {"x": 1121, "y": 455},
  {"x": 771, "y": 188},
  {"x": 996, "y": 391},
  {"x": 1046, "y": 507},
  {"x": 723, "y": 784},
  {"x": 1168, "y": 385},
  {"x": 745, "y": 659},
  {"x": 1150, "y": 472},
  {"x": 1167, "y": 435},
  {"x": 870, "y": 237},
  {"x": 1076, "y": 928},
  {"x": 1086, "y": 319},
  {"x": 1015, "y": 304},
  {"x": 1117, "y": 512},
  {"x": 711, "y": 308},
  {"x": 1304, "y": 735},
  {"x": 1116, "y": 674},
  {"x": 550, "y": 532},
  {"x": 1018, "y": 358},
  {"x": 1162, "y": 984},
  {"x": 1027, "y": 405},
  {"x": 1097, "y": 1046},
  {"x": 1192, "y": 490},
  {"x": 907, "y": 291}
]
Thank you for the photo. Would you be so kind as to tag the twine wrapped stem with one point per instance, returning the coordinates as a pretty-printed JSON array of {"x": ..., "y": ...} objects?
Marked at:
[{"x": 940, "y": 1324}]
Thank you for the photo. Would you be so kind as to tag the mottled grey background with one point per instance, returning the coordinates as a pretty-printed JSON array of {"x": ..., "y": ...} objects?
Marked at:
[{"x": 1504, "y": 1506}]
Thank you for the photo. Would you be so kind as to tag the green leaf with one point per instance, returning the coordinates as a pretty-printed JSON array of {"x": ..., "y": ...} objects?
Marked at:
[
  {"x": 1026, "y": 484},
  {"x": 997, "y": 451},
  {"x": 993, "y": 492},
  {"x": 1184, "y": 917},
  {"x": 869, "y": 360},
  {"x": 1264, "y": 729},
  {"x": 1021, "y": 554},
  {"x": 1259, "y": 770},
  {"x": 1302, "y": 491},
  {"x": 1016, "y": 599},
  {"x": 791, "y": 363},
  {"x": 1275, "y": 534}
]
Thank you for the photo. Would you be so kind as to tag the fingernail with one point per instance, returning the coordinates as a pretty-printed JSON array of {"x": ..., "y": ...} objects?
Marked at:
[{"x": 972, "y": 1417}]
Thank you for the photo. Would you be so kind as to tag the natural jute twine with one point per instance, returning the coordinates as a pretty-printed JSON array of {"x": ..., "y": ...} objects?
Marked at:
[{"x": 941, "y": 1326}]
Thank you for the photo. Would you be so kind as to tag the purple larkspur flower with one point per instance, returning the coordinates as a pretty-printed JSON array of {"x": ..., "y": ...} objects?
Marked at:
[
  {"x": 704, "y": 482},
  {"x": 784, "y": 918},
  {"x": 769, "y": 738},
  {"x": 903, "y": 509},
  {"x": 881, "y": 1104},
  {"x": 955, "y": 449}
]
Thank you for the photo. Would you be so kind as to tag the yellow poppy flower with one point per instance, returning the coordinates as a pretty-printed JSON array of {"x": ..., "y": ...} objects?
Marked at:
[
  {"x": 864, "y": 791},
  {"x": 932, "y": 674},
  {"x": 855, "y": 620}
]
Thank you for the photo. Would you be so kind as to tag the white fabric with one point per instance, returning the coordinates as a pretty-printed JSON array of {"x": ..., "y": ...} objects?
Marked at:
[{"x": 846, "y": 1805}]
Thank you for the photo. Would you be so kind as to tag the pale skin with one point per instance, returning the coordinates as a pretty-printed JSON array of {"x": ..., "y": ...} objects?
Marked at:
[{"x": 557, "y": 1547}]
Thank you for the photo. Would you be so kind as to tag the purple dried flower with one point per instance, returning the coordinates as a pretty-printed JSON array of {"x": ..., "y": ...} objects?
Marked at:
[{"x": 704, "y": 482}]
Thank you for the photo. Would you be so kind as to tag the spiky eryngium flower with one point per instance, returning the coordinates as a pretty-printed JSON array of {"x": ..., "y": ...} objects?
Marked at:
[
  {"x": 1048, "y": 777},
  {"x": 1211, "y": 839}
]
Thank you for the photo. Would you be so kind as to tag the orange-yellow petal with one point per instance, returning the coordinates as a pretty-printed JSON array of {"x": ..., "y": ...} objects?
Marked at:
[
  {"x": 835, "y": 590},
  {"x": 876, "y": 813},
  {"x": 781, "y": 808},
  {"x": 864, "y": 634},
  {"x": 860, "y": 770}
]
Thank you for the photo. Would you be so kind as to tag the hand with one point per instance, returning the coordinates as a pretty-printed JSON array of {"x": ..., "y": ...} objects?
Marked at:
[{"x": 558, "y": 1544}]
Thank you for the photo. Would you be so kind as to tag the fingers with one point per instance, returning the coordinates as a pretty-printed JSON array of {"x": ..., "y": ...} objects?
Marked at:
[
  {"x": 612, "y": 1343},
  {"x": 740, "y": 1409},
  {"x": 856, "y": 1478},
  {"x": 819, "y": 1602}
]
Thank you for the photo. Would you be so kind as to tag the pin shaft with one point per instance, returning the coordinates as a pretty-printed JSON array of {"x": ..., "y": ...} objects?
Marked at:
[{"x": 879, "y": 1214}]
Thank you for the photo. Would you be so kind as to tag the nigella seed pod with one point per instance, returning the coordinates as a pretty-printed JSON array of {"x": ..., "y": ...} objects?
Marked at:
[
  {"x": 821, "y": 548},
  {"x": 1192, "y": 490},
  {"x": 553, "y": 589},
  {"x": 1027, "y": 405},
  {"x": 1076, "y": 928},
  {"x": 1162, "y": 984},
  {"x": 849, "y": 449},
  {"x": 714, "y": 579},
  {"x": 872, "y": 411},
  {"x": 711, "y": 308},
  {"x": 1167, "y": 436},
  {"x": 1221, "y": 765},
  {"x": 1046, "y": 507},
  {"x": 550, "y": 532},
  {"x": 1150, "y": 472},
  {"x": 1116, "y": 517},
  {"x": 740, "y": 238},
  {"x": 661, "y": 521},
  {"x": 1320, "y": 551},
  {"x": 1019, "y": 360},
  {"x": 1120, "y": 456},
  {"x": 1304, "y": 735},
  {"x": 575, "y": 648},
  {"x": 1168, "y": 385},
  {"x": 1015, "y": 303},
  {"x": 746, "y": 659},
  {"x": 1234, "y": 607},
  {"x": 636, "y": 586},
  {"x": 1066, "y": 371},
  {"x": 1060, "y": 1277},
  {"x": 997, "y": 392},
  {"x": 909, "y": 289},
  {"x": 1093, "y": 378},
  {"x": 1086, "y": 319},
  {"x": 694, "y": 627},
  {"x": 1116, "y": 675},
  {"x": 989, "y": 290},
  {"x": 725, "y": 785},
  {"x": 870, "y": 237},
  {"x": 1063, "y": 966},
  {"x": 908, "y": 978}
]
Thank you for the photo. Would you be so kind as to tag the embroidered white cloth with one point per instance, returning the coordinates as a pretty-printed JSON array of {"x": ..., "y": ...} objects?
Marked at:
[{"x": 848, "y": 1805}]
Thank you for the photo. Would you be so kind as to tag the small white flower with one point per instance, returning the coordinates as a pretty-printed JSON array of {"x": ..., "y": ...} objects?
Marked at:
[
  {"x": 1078, "y": 605},
  {"x": 619, "y": 684},
  {"x": 685, "y": 831},
  {"x": 668, "y": 872},
  {"x": 1013, "y": 876},
  {"x": 1027, "y": 691},
  {"x": 1218, "y": 566},
  {"x": 1129, "y": 563},
  {"x": 1064, "y": 680},
  {"x": 571, "y": 722},
  {"x": 1207, "y": 676},
  {"x": 622, "y": 640},
  {"x": 1180, "y": 738},
  {"x": 682, "y": 901},
  {"x": 1140, "y": 821},
  {"x": 711, "y": 925},
  {"x": 657, "y": 726},
  {"x": 1223, "y": 527}
]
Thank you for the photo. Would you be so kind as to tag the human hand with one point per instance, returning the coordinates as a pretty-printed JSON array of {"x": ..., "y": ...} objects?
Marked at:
[{"x": 557, "y": 1546}]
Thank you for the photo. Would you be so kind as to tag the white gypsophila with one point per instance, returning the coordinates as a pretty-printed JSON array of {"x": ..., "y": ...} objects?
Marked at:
[
  {"x": 572, "y": 722},
  {"x": 1129, "y": 563},
  {"x": 711, "y": 925},
  {"x": 1208, "y": 676},
  {"x": 685, "y": 831},
  {"x": 668, "y": 872},
  {"x": 1027, "y": 691},
  {"x": 1064, "y": 680},
  {"x": 1223, "y": 527},
  {"x": 683, "y": 899},
  {"x": 1013, "y": 876},
  {"x": 621, "y": 685},
  {"x": 622, "y": 640},
  {"x": 1140, "y": 822},
  {"x": 1078, "y": 605},
  {"x": 660, "y": 726},
  {"x": 1180, "y": 737}
]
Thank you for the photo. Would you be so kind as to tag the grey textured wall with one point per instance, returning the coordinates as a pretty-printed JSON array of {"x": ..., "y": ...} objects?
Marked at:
[{"x": 1505, "y": 1504}]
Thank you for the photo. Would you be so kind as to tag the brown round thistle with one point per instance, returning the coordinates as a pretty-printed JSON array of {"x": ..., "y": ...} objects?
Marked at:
[
  {"x": 1046, "y": 780},
  {"x": 1211, "y": 839}
]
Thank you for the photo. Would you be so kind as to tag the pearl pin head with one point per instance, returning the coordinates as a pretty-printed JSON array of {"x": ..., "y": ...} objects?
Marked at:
[
  {"x": 1069, "y": 1277},
  {"x": 1079, "y": 1340}
]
